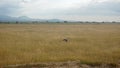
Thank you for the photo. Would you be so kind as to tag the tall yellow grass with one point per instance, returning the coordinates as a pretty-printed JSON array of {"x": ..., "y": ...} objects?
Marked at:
[{"x": 28, "y": 43}]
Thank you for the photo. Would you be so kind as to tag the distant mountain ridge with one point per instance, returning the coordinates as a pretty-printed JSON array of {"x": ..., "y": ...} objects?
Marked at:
[{"x": 4, "y": 18}]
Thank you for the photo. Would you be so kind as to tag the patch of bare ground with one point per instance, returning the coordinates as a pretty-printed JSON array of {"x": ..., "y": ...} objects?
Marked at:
[{"x": 69, "y": 64}]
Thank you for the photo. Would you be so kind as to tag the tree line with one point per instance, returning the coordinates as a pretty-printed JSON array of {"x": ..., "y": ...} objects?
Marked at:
[{"x": 37, "y": 22}]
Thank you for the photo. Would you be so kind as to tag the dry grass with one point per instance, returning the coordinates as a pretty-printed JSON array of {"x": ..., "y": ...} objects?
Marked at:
[{"x": 28, "y": 43}]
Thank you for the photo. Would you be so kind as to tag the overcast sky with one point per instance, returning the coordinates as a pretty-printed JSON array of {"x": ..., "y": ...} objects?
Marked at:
[{"x": 85, "y": 10}]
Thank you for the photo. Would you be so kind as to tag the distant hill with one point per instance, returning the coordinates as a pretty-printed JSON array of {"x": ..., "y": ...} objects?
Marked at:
[
  {"x": 25, "y": 19},
  {"x": 4, "y": 18}
]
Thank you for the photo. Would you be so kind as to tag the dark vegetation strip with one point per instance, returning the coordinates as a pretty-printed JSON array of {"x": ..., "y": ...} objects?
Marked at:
[{"x": 69, "y": 64}]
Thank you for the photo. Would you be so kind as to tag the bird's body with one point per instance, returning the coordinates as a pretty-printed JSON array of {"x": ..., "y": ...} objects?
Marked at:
[{"x": 65, "y": 40}]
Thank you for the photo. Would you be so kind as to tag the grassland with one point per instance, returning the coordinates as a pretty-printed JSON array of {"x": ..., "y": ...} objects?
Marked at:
[{"x": 33, "y": 43}]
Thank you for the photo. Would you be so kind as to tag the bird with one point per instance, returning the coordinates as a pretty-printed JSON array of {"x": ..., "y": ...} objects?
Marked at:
[{"x": 65, "y": 40}]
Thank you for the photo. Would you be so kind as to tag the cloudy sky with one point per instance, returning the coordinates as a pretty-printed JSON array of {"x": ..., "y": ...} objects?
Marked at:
[{"x": 85, "y": 10}]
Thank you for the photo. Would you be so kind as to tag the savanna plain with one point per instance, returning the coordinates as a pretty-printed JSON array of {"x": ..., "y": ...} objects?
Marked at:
[{"x": 34, "y": 43}]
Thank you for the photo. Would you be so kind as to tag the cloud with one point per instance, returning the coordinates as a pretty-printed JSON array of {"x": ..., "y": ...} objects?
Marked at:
[
  {"x": 9, "y": 7},
  {"x": 109, "y": 8},
  {"x": 73, "y": 7},
  {"x": 60, "y": 8},
  {"x": 48, "y": 7}
]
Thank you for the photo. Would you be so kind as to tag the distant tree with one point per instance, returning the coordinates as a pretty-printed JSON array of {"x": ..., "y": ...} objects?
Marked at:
[
  {"x": 87, "y": 22},
  {"x": 94, "y": 22},
  {"x": 17, "y": 22},
  {"x": 81, "y": 21},
  {"x": 34, "y": 22},
  {"x": 58, "y": 22},
  {"x": 65, "y": 21},
  {"x": 103, "y": 22},
  {"x": 8, "y": 22},
  {"x": 113, "y": 22},
  {"x": 47, "y": 21}
]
